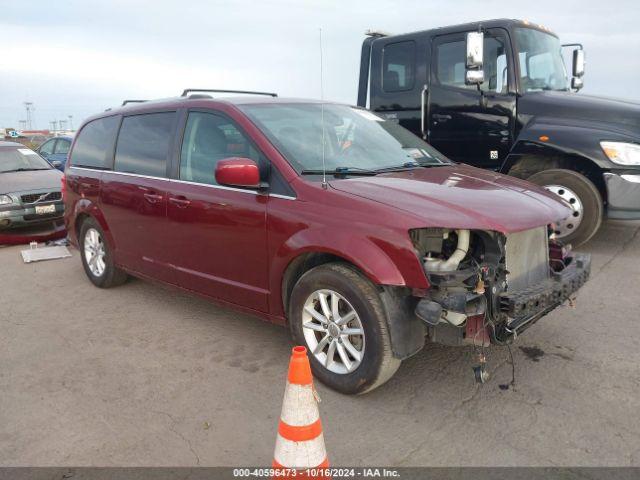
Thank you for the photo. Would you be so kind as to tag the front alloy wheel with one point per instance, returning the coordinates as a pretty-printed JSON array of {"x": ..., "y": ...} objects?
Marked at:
[
  {"x": 333, "y": 331},
  {"x": 339, "y": 315}
]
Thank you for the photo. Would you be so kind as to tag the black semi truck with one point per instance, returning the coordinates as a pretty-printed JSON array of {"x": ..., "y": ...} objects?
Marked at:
[{"x": 496, "y": 94}]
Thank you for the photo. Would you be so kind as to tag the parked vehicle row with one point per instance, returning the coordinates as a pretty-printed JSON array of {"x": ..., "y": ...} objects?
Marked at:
[
  {"x": 360, "y": 236},
  {"x": 30, "y": 189},
  {"x": 55, "y": 151}
]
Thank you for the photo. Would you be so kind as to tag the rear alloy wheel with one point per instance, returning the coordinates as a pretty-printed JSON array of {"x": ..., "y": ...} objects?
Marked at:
[
  {"x": 583, "y": 198},
  {"x": 97, "y": 258},
  {"x": 338, "y": 314}
]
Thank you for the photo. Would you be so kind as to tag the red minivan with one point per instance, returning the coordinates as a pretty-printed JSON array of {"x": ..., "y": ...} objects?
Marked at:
[{"x": 360, "y": 236}]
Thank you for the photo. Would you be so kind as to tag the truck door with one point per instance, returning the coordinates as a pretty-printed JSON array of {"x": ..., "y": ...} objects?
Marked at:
[{"x": 468, "y": 124}]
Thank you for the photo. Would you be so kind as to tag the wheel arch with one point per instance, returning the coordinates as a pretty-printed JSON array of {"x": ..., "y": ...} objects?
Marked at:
[
  {"x": 527, "y": 159},
  {"x": 83, "y": 210},
  {"x": 381, "y": 261}
]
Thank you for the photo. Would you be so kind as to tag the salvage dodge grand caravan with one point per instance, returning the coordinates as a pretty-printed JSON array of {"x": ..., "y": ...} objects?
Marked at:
[{"x": 360, "y": 236}]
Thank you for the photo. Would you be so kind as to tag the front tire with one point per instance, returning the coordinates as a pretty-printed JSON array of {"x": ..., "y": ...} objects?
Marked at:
[
  {"x": 338, "y": 315},
  {"x": 584, "y": 198},
  {"x": 97, "y": 256}
]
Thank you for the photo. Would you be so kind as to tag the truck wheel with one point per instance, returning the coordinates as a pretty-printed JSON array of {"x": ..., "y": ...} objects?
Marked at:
[
  {"x": 585, "y": 201},
  {"x": 97, "y": 257},
  {"x": 338, "y": 315}
]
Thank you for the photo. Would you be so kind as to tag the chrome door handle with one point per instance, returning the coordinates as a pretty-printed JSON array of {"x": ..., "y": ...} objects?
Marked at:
[
  {"x": 180, "y": 202},
  {"x": 440, "y": 117},
  {"x": 152, "y": 197}
]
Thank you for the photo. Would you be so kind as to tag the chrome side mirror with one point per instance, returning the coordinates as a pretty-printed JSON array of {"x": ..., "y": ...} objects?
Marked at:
[
  {"x": 474, "y": 77},
  {"x": 577, "y": 83},
  {"x": 475, "y": 55},
  {"x": 578, "y": 62}
]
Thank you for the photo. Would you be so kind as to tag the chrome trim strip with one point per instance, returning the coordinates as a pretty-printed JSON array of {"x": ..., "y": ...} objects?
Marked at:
[
  {"x": 283, "y": 197},
  {"x": 219, "y": 187},
  {"x": 174, "y": 180}
]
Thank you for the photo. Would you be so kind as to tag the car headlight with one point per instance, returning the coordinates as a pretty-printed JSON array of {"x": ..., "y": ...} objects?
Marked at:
[
  {"x": 622, "y": 153},
  {"x": 5, "y": 200}
]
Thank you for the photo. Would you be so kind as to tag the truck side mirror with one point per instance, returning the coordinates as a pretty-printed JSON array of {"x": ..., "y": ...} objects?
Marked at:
[
  {"x": 577, "y": 83},
  {"x": 578, "y": 62},
  {"x": 474, "y": 74}
]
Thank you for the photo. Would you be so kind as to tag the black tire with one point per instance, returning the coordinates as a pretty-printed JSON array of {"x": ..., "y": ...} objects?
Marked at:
[
  {"x": 112, "y": 276},
  {"x": 589, "y": 196},
  {"x": 378, "y": 363}
]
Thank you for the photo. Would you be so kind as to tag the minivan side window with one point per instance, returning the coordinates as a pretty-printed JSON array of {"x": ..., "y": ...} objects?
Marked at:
[
  {"x": 94, "y": 143},
  {"x": 209, "y": 138},
  {"x": 398, "y": 66},
  {"x": 143, "y": 144}
]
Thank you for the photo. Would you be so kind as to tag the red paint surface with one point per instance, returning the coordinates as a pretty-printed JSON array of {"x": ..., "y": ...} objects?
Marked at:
[{"x": 235, "y": 246}]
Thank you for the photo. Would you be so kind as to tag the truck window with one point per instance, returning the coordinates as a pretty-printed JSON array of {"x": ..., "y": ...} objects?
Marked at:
[
  {"x": 94, "y": 143},
  {"x": 495, "y": 65},
  {"x": 398, "y": 66},
  {"x": 209, "y": 138},
  {"x": 143, "y": 144},
  {"x": 541, "y": 62},
  {"x": 450, "y": 64}
]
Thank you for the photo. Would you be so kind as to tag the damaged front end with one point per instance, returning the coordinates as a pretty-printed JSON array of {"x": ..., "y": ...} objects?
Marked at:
[{"x": 487, "y": 287}]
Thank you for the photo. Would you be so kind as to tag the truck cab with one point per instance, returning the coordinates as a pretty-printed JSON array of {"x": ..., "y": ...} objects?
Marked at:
[{"x": 497, "y": 94}]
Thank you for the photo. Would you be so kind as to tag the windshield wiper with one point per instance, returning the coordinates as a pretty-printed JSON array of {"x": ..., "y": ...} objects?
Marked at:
[
  {"x": 23, "y": 170},
  {"x": 342, "y": 171},
  {"x": 409, "y": 166}
]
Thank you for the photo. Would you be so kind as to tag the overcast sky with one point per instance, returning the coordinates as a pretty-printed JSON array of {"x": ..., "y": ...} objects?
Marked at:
[{"x": 79, "y": 57}]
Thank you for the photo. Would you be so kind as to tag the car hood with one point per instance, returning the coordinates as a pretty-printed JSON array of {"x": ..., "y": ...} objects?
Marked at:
[
  {"x": 460, "y": 196},
  {"x": 13, "y": 182},
  {"x": 568, "y": 105}
]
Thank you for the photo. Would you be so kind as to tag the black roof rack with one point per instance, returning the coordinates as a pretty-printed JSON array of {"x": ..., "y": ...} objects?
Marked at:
[
  {"x": 189, "y": 90},
  {"x": 132, "y": 101}
]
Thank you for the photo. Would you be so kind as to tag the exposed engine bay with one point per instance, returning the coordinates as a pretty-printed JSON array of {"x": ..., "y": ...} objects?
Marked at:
[{"x": 487, "y": 287}]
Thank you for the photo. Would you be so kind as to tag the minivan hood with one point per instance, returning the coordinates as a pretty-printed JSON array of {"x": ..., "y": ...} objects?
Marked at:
[
  {"x": 13, "y": 182},
  {"x": 570, "y": 105},
  {"x": 460, "y": 196}
]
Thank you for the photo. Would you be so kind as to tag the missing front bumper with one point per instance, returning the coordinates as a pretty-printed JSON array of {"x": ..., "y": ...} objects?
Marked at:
[{"x": 527, "y": 306}]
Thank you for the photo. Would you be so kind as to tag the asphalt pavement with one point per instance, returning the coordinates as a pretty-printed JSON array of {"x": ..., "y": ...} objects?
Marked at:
[{"x": 142, "y": 375}]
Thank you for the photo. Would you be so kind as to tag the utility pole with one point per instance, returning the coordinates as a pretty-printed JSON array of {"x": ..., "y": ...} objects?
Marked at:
[
  {"x": 29, "y": 108},
  {"x": 23, "y": 124},
  {"x": 63, "y": 124},
  {"x": 71, "y": 122}
]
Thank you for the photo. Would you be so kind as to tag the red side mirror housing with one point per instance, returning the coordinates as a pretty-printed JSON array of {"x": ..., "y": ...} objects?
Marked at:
[{"x": 238, "y": 172}]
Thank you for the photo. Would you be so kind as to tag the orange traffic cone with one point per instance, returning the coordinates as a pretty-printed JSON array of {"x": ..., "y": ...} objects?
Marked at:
[{"x": 300, "y": 444}]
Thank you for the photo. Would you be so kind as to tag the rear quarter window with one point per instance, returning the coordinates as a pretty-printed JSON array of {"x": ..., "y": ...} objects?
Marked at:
[
  {"x": 94, "y": 143},
  {"x": 143, "y": 144}
]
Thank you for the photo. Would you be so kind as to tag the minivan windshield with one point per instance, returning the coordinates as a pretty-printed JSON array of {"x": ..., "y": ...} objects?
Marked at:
[
  {"x": 354, "y": 139},
  {"x": 541, "y": 63},
  {"x": 21, "y": 160}
]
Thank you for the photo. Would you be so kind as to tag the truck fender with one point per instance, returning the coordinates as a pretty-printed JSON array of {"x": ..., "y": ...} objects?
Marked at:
[{"x": 548, "y": 139}]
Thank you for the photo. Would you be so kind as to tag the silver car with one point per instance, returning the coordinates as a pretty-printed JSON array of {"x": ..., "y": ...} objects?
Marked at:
[{"x": 30, "y": 188}]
